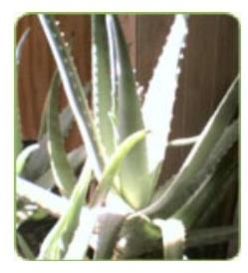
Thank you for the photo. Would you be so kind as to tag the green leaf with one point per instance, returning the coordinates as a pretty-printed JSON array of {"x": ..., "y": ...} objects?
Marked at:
[
  {"x": 198, "y": 163},
  {"x": 74, "y": 92},
  {"x": 62, "y": 171},
  {"x": 88, "y": 219},
  {"x": 101, "y": 82},
  {"x": 47, "y": 200},
  {"x": 114, "y": 165},
  {"x": 23, "y": 158},
  {"x": 109, "y": 228},
  {"x": 76, "y": 159},
  {"x": 173, "y": 237},
  {"x": 38, "y": 162},
  {"x": 160, "y": 98},
  {"x": 134, "y": 180},
  {"x": 56, "y": 243},
  {"x": 211, "y": 236},
  {"x": 138, "y": 236}
]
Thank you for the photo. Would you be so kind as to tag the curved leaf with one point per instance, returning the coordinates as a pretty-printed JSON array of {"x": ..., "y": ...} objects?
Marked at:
[
  {"x": 135, "y": 185},
  {"x": 62, "y": 171},
  {"x": 74, "y": 92},
  {"x": 160, "y": 98},
  {"x": 101, "y": 82},
  {"x": 196, "y": 163},
  {"x": 58, "y": 239}
]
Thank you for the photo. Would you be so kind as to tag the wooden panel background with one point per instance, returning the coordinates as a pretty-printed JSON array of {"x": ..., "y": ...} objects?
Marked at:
[{"x": 210, "y": 64}]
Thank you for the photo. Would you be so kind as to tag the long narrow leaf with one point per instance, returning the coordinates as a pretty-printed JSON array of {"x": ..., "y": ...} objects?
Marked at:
[
  {"x": 109, "y": 228},
  {"x": 211, "y": 236},
  {"x": 50, "y": 202},
  {"x": 101, "y": 82},
  {"x": 56, "y": 243},
  {"x": 79, "y": 244},
  {"x": 74, "y": 92},
  {"x": 38, "y": 162},
  {"x": 215, "y": 182},
  {"x": 159, "y": 101},
  {"x": 62, "y": 171},
  {"x": 186, "y": 180},
  {"x": 76, "y": 159},
  {"x": 115, "y": 163},
  {"x": 135, "y": 185}
]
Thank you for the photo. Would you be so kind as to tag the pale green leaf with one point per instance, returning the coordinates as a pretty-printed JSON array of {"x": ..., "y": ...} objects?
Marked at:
[
  {"x": 74, "y": 92},
  {"x": 58, "y": 239},
  {"x": 134, "y": 184},
  {"x": 62, "y": 171},
  {"x": 160, "y": 98},
  {"x": 101, "y": 82},
  {"x": 196, "y": 166},
  {"x": 88, "y": 219},
  {"x": 173, "y": 237}
]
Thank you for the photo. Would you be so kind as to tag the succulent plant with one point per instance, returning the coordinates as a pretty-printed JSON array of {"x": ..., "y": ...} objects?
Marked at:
[{"x": 125, "y": 145}]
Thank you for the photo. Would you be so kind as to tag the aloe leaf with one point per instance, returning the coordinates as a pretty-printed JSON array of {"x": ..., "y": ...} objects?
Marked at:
[
  {"x": 88, "y": 219},
  {"x": 173, "y": 237},
  {"x": 138, "y": 236},
  {"x": 74, "y": 92},
  {"x": 23, "y": 158},
  {"x": 114, "y": 165},
  {"x": 160, "y": 98},
  {"x": 38, "y": 162},
  {"x": 18, "y": 134},
  {"x": 101, "y": 82},
  {"x": 50, "y": 202},
  {"x": 76, "y": 159},
  {"x": 109, "y": 228},
  {"x": 214, "y": 184},
  {"x": 187, "y": 180},
  {"x": 211, "y": 236},
  {"x": 62, "y": 171},
  {"x": 56, "y": 243},
  {"x": 134, "y": 181}
]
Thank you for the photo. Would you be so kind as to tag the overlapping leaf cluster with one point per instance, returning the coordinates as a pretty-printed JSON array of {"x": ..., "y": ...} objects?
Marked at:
[{"x": 124, "y": 147}]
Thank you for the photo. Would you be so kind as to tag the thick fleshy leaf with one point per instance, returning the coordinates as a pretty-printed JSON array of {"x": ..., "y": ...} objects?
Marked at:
[
  {"x": 62, "y": 171},
  {"x": 138, "y": 236},
  {"x": 211, "y": 236},
  {"x": 202, "y": 204},
  {"x": 199, "y": 162},
  {"x": 173, "y": 237},
  {"x": 76, "y": 159},
  {"x": 88, "y": 219},
  {"x": 135, "y": 185},
  {"x": 115, "y": 163},
  {"x": 23, "y": 158},
  {"x": 74, "y": 92},
  {"x": 38, "y": 162},
  {"x": 109, "y": 227},
  {"x": 56, "y": 243},
  {"x": 101, "y": 82},
  {"x": 160, "y": 98},
  {"x": 47, "y": 200}
]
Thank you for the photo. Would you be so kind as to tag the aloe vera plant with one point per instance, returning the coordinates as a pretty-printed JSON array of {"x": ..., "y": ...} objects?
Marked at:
[{"x": 125, "y": 145}]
